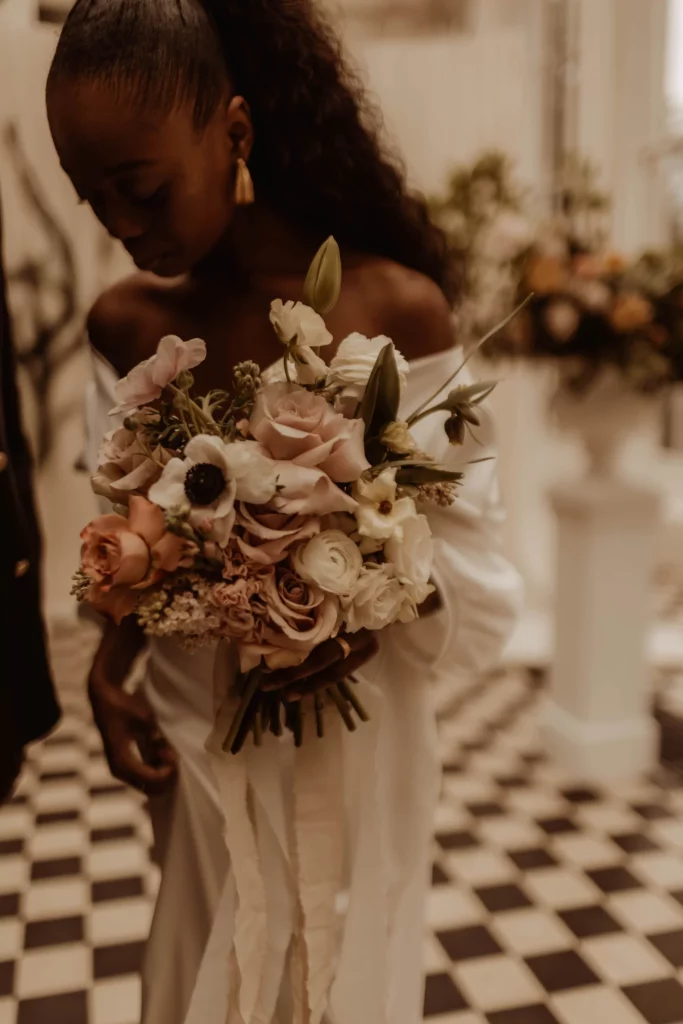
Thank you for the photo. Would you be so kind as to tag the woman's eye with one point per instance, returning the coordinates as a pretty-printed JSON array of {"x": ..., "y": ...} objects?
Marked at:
[{"x": 141, "y": 198}]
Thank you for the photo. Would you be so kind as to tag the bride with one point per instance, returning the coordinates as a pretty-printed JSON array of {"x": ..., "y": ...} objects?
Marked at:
[{"x": 221, "y": 141}]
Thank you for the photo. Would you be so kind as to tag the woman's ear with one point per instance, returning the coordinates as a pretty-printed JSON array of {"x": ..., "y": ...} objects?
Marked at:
[{"x": 239, "y": 127}]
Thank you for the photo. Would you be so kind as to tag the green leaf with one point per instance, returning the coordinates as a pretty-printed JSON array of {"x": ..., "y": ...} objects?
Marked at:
[
  {"x": 416, "y": 475},
  {"x": 380, "y": 403}
]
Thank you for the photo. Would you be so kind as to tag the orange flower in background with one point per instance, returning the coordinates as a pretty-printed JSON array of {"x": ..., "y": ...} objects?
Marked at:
[
  {"x": 631, "y": 312},
  {"x": 545, "y": 275},
  {"x": 614, "y": 263},
  {"x": 589, "y": 266}
]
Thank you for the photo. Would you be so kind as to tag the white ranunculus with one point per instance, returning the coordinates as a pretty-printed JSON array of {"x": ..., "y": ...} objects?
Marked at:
[
  {"x": 412, "y": 556},
  {"x": 380, "y": 516},
  {"x": 294, "y": 320},
  {"x": 376, "y": 601},
  {"x": 355, "y": 360},
  {"x": 331, "y": 560},
  {"x": 254, "y": 473}
]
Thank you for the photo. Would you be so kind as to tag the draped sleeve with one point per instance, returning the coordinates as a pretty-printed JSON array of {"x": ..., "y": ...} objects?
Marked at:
[{"x": 480, "y": 590}]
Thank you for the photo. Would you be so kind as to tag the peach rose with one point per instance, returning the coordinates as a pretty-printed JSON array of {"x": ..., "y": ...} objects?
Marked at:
[
  {"x": 296, "y": 426},
  {"x": 123, "y": 555},
  {"x": 124, "y": 467},
  {"x": 300, "y": 617}
]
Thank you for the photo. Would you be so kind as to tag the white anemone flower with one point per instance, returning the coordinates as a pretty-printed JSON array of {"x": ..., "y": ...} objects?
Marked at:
[
  {"x": 210, "y": 478},
  {"x": 380, "y": 516}
]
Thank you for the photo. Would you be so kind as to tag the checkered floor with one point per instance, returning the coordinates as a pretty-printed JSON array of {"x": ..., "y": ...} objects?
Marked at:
[{"x": 551, "y": 904}]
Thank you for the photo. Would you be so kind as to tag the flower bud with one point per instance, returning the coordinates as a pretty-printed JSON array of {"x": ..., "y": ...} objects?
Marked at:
[
  {"x": 324, "y": 278},
  {"x": 455, "y": 429},
  {"x": 185, "y": 380}
]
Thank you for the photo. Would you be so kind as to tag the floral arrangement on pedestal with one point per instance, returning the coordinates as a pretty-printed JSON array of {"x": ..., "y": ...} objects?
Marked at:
[
  {"x": 589, "y": 309},
  {"x": 610, "y": 327}
]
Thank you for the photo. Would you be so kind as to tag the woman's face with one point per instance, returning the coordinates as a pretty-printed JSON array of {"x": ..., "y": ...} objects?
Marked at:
[{"x": 155, "y": 182}]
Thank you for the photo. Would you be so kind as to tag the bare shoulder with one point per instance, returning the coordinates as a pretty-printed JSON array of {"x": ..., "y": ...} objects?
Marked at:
[
  {"x": 409, "y": 308},
  {"x": 124, "y": 321}
]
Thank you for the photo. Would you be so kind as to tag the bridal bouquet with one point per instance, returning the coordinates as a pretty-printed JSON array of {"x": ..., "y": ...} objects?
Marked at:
[{"x": 277, "y": 515}]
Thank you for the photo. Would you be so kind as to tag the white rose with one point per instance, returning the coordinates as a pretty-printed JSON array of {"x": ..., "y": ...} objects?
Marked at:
[
  {"x": 295, "y": 320},
  {"x": 331, "y": 560},
  {"x": 412, "y": 557},
  {"x": 355, "y": 361},
  {"x": 377, "y": 600}
]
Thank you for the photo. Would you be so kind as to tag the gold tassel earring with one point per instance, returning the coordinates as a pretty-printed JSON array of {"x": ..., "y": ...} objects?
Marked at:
[{"x": 244, "y": 184}]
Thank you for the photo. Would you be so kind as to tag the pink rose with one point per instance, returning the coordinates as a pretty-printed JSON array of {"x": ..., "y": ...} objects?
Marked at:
[
  {"x": 300, "y": 617},
  {"x": 297, "y": 426},
  {"x": 147, "y": 380},
  {"x": 123, "y": 555},
  {"x": 124, "y": 467},
  {"x": 266, "y": 537}
]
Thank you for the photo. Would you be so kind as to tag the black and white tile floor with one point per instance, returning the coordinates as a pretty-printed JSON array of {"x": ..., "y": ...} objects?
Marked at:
[{"x": 551, "y": 904}]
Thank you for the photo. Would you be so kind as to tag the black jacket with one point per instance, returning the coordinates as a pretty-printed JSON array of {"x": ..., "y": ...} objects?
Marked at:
[{"x": 28, "y": 707}]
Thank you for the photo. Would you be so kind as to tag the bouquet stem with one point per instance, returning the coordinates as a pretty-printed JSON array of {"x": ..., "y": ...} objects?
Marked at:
[
  {"x": 346, "y": 690},
  {"x": 319, "y": 719},
  {"x": 248, "y": 697},
  {"x": 335, "y": 695}
]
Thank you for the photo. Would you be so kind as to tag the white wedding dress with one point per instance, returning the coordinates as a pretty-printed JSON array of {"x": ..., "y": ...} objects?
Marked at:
[{"x": 294, "y": 881}]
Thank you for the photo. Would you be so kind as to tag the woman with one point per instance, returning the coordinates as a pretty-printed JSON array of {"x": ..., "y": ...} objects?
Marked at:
[{"x": 166, "y": 114}]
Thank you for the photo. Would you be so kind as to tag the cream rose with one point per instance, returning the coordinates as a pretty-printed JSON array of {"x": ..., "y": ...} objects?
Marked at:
[
  {"x": 377, "y": 600},
  {"x": 355, "y": 360},
  {"x": 331, "y": 560}
]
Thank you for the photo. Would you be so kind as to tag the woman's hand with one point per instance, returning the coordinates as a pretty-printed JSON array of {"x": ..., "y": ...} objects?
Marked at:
[
  {"x": 327, "y": 665},
  {"x": 136, "y": 750}
]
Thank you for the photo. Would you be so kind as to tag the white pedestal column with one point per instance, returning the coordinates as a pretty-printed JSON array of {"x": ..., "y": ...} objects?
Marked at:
[{"x": 598, "y": 723}]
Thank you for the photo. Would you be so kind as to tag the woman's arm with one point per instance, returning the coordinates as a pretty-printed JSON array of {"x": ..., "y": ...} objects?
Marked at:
[{"x": 136, "y": 750}]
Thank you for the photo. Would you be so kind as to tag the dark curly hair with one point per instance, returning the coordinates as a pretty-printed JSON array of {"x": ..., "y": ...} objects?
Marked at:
[{"x": 317, "y": 157}]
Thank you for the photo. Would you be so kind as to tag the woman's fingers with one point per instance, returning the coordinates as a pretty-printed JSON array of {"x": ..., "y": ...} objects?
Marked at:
[
  {"x": 128, "y": 766},
  {"x": 330, "y": 677},
  {"x": 366, "y": 648},
  {"x": 325, "y": 658}
]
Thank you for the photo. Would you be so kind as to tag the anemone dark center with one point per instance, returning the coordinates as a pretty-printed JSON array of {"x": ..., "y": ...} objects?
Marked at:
[
  {"x": 204, "y": 484},
  {"x": 385, "y": 507}
]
